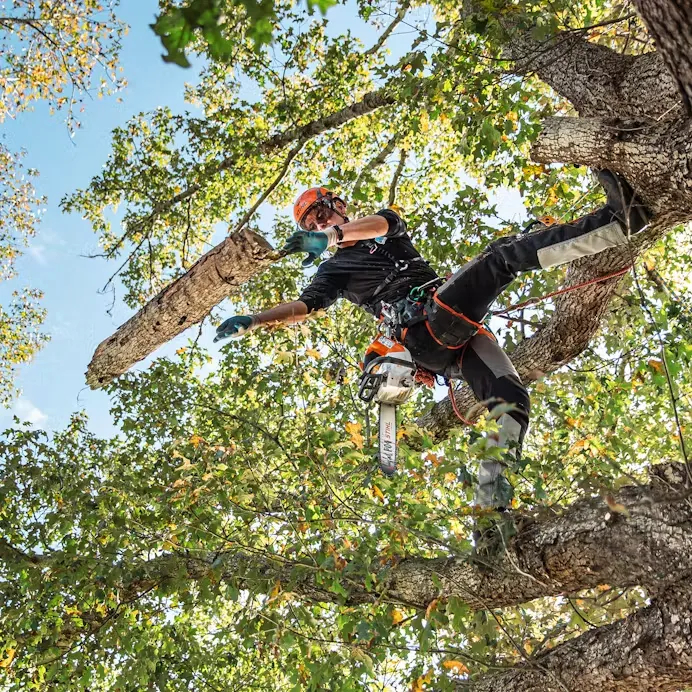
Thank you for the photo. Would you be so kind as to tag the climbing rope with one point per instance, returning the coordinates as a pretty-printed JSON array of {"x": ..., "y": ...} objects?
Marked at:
[
  {"x": 524, "y": 304},
  {"x": 568, "y": 289}
]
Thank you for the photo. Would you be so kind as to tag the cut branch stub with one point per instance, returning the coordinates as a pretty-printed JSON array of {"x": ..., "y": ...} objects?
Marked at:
[{"x": 181, "y": 304}]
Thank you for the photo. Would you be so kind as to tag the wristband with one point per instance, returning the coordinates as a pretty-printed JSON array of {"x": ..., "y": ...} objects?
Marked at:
[{"x": 334, "y": 236}]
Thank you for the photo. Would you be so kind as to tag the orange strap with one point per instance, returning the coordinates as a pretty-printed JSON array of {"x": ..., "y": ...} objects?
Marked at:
[
  {"x": 455, "y": 408},
  {"x": 534, "y": 301}
]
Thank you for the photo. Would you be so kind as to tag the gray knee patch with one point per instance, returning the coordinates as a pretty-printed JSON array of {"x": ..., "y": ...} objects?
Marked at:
[
  {"x": 610, "y": 235},
  {"x": 493, "y": 357}
]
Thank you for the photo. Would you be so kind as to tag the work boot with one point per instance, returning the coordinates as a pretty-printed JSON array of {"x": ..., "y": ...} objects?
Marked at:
[
  {"x": 490, "y": 536},
  {"x": 629, "y": 210},
  {"x": 494, "y": 490}
]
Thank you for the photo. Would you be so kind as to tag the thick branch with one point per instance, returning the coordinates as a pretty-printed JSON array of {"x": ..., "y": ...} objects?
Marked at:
[
  {"x": 649, "y": 650},
  {"x": 670, "y": 23},
  {"x": 183, "y": 303},
  {"x": 648, "y": 544},
  {"x": 655, "y": 159},
  {"x": 369, "y": 103},
  {"x": 597, "y": 80},
  {"x": 395, "y": 178}
]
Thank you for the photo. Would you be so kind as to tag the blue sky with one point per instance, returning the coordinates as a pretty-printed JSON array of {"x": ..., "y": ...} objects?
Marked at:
[{"x": 53, "y": 384}]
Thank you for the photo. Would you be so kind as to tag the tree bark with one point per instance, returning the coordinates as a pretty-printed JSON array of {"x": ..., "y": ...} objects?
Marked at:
[
  {"x": 595, "y": 79},
  {"x": 655, "y": 159},
  {"x": 649, "y": 650},
  {"x": 181, "y": 304},
  {"x": 670, "y": 23}
]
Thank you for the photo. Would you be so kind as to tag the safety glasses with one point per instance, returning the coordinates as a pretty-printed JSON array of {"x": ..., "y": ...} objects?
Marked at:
[{"x": 318, "y": 213}]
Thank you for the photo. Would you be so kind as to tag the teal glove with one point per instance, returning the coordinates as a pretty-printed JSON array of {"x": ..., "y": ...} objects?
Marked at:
[
  {"x": 312, "y": 242},
  {"x": 234, "y": 327}
]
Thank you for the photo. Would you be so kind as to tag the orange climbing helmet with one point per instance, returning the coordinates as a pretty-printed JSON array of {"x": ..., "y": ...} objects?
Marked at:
[{"x": 315, "y": 196}]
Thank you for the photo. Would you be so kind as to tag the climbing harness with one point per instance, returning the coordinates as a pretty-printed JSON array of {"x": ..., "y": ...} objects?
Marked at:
[
  {"x": 389, "y": 372},
  {"x": 400, "y": 264}
]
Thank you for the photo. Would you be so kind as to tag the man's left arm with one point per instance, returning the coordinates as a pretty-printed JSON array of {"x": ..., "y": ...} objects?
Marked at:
[
  {"x": 384, "y": 223},
  {"x": 367, "y": 228}
]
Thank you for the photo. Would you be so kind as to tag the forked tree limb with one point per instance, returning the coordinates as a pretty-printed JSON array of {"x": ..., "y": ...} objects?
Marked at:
[{"x": 646, "y": 540}]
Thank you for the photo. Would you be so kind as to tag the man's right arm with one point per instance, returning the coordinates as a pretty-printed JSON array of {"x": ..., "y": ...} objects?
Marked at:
[{"x": 286, "y": 313}]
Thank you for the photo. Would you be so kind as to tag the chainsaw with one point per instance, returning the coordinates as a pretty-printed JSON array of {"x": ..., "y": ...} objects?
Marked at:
[{"x": 388, "y": 378}]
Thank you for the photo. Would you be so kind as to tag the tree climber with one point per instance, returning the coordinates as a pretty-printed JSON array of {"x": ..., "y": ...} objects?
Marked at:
[{"x": 376, "y": 264}]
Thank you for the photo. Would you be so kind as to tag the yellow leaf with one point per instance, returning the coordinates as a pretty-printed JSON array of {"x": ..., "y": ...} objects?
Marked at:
[
  {"x": 284, "y": 357},
  {"x": 450, "y": 477},
  {"x": 195, "y": 440},
  {"x": 432, "y": 458},
  {"x": 579, "y": 444},
  {"x": 377, "y": 493},
  {"x": 353, "y": 429},
  {"x": 396, "y": 209},
  {"x": 656, "y": 365},
  {"x": 417, "y": 685},
  {"x": 5, "y": 663},
  {"x": 457, "y": 667},
  {"x": 397, "y": 616},
  {"x": 313, "y": 353},
  {"x": 431, "y": 606},
  {"x": 616, "y": 506},
  {"x": 276, "y": 590},
  {"x": 179, "y": 482},
  {"x": 180, "y": 351}
]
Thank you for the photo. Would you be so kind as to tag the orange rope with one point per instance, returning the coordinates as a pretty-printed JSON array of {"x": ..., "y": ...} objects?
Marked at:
[
  {"x": 451, "y": 391},
  {"x": 526, "y": 303},
  {"x": 534, "y": 301}
]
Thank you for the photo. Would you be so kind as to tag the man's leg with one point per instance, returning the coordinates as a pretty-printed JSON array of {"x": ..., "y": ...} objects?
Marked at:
[
  {"x": 474, "y": 287},
  {"x": 491, "y": 376}
]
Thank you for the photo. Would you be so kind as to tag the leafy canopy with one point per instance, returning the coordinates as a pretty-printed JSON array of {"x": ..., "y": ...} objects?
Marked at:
[{"x": 237, "y": 533}]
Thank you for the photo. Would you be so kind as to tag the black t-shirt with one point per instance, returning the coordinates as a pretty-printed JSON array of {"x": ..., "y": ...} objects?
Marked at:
[{"x": 355, "y": 272}]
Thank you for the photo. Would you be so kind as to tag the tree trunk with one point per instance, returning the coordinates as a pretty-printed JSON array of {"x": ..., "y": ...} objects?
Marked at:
[{"x": 670, "y": 23}]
